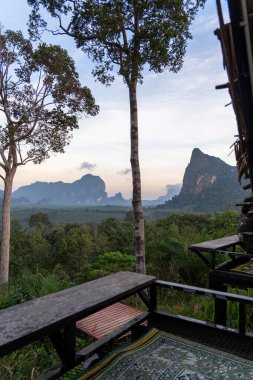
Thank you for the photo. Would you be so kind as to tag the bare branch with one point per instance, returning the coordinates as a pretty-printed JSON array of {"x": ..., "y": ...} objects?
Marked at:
[
  {"x": 3, "y": 156},
  {"x": 38, "y": 112},
  {"x": 2, "y": 178},
  {"x": 19, "y": 152},
  {"x": 14, "y": 155},
  {"x": 2, "y": 166},
  {"x": 39, "y": 80}
]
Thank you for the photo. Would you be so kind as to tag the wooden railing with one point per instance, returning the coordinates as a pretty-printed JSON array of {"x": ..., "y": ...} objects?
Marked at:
[
  {"x": 56, "y": 315},
  {"x": 240, "y": 299}
]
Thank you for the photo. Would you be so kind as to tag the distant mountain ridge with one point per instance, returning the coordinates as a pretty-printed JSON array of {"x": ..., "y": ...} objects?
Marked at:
[
  {"x": 209, "y": 185},
  {"x": 89, "y": 190}
]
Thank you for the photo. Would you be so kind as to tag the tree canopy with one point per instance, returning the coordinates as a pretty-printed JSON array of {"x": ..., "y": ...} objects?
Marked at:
[
  {"x": 41, "y": 100},
  {"x": 125, "y": 34}
]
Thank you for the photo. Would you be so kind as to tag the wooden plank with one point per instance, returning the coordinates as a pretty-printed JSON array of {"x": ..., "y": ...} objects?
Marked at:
[
  {"x": 27, "y": 322},
  {"x": 106, "y": 320},
  {"x": 216, "y": 244}
]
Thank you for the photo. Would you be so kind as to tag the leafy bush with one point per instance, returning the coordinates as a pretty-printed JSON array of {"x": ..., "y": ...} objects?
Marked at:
[{"x": 111, "y": 262}]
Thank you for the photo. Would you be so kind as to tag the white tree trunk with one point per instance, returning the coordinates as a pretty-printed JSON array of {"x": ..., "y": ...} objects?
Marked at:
[
  {"x": 136, "y": 178},
  {"x": 6, "y": 229}
]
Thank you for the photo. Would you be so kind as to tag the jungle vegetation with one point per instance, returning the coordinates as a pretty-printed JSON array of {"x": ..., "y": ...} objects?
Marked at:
[
  {"x": 124, "y": 37},
  {"x": 46, "y": 258}
]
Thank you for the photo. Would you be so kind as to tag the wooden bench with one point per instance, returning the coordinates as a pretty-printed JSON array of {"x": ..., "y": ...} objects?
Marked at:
[
  {"x": 105, "y": 321},
  {"x": 55, "y": 315}
]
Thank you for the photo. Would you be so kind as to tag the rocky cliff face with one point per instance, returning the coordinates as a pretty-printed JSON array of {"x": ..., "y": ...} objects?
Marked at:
[
  {"x": 209, "y": 185},
  {"x": 200, "y": 173}
]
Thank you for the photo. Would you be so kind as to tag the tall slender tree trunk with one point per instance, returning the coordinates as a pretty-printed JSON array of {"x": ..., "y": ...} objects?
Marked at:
[
  {"x": 6, "y": 227},
  {"x": 136, "y": 178}
]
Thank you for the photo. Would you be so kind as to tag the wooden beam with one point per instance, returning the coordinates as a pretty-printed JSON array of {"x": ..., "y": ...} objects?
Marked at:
[
  {"x": 205, "y": 292},
  {"x": 242, "y": 318},
  {"x": 86, "y": 352}
]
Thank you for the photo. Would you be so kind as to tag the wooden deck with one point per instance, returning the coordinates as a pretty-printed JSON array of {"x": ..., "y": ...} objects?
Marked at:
[
  {"x": 107, "y": 320},
  {"x": 56, "y": 316}
]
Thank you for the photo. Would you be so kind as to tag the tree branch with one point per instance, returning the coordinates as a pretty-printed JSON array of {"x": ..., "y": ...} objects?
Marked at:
[
  {"x": 3, "y": 157},
  {"x": 2, "y": 166},
  {"x": 19, "y": 152},
  {"x": 38, "y": 111},
  {"x": 2, "y": 178}
]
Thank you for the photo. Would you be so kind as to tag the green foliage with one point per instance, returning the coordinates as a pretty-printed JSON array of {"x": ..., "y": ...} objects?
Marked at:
[
  {"x": 126, "y": 34},
  {"x": 28, "y": 362},
  {"x": 40, "y": 221},
  {"x": 166, "y": 246},
  {"x": 71, "y": 247},
  {"x": 186, "y": 304},
  {"x": 202, "y": 308},
  {"x": 69, "y": 215},
  {"x": 111, "y": 262},
  {"x": 42, "y": 101},
  {"x": 28, "y": 249},
  {"x": 4, "y": 297},
  {"x": 170, "y": 260},
  {"x": 31, "y": 285},
  {"x": 119, "y": 236},
  {"x": 184, "y": 264},
  {"x": 65, "y": 256},
  {"x": 76, "y": 248},
  {"x": 225, "y": 223}
]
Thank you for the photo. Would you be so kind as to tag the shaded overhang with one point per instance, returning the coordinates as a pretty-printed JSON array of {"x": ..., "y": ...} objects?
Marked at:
[{"x": 236, "y": 41}]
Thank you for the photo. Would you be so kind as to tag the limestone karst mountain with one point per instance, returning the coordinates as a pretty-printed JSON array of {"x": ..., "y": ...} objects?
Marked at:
[
  {"x": 209, "y": 185},
  {"x": 89, "y": 190}
]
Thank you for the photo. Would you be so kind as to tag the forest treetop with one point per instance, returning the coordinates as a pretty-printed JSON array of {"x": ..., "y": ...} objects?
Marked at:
[{"x": 129, "y": 33}]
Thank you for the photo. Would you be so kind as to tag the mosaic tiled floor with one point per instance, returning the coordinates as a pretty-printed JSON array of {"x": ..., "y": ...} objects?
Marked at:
[{"x": 159, "y": 355}]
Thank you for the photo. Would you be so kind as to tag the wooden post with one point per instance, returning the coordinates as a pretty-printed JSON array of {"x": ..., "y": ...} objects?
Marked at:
[
  {"x": 153, "y": 298},
  {"x": 220, "y": 307},
  {"x": 64, "y": 344},
  {"x": 242, "y": 318}
]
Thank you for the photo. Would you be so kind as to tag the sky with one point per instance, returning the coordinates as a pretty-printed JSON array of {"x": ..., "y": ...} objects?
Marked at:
[{"x": 177, "y": 112}]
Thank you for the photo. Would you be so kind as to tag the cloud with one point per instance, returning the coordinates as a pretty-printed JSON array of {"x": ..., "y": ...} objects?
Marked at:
[
  {"x": 125, "y": 172},
  {"x": 88, "y": 166}
]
